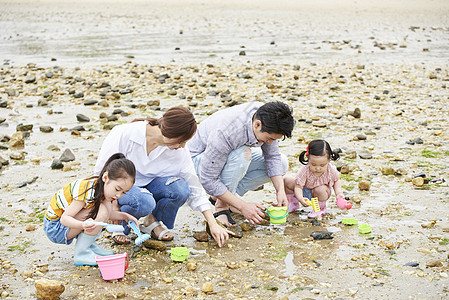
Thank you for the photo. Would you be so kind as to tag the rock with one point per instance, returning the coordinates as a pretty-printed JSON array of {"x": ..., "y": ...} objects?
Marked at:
[
  {"x": 17, "y": 140},
  {"x": 344, "y": 169},
  {"x": 242, "y": 53},
  {"x": 78, "y": 95},
  {"x": 11, "y": 92},
  {"x": 388, "y": 171},
  {"x": 30, "y": 79},
  {"x": 47, "y": 289},
  {"x": 356, "y": 113},
  {"x": 412, "y": 264},
  {"x": 365, "y": 155},
  {"x": 90, "y": 102},
  {"x": 30, "y": 227},
  {"x": 22, "y": 127},
  {"x": 201, "y": 236},
  {"x": 154, "y": 244},
  {"x": 82, "y": 118},
  {"x": 247, "y": 226},
  {"x": 364, "y": 185},
  {"x": 154, "y": 103},
  {"x": 322, "y": 235},
  {"x": 418, "y": 181},
  {"x": 56, "y": 164},
  {"x": 360, "y": 137},
  {"x": 237, "y": 230},
  {"x": 46, "y": 129},
  {"x": 207, "y": 287},
  {"x": 17, "y": 155},
  {"x": 434, "y": 263},
  {"x": 191, "y": 265},
  {"x": 67, "y": 156},
  {"x": 3, "y": 161}
]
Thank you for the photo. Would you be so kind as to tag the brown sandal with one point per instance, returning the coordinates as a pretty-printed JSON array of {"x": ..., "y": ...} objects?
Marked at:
[{"x": 117, "y": 234}]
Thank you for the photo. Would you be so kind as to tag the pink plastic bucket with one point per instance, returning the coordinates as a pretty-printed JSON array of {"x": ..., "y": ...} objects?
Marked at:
[{"x": 113, "y": 266}]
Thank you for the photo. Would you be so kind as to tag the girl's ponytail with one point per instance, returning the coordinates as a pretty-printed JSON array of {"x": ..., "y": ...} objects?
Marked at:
[{"x": 318, "y": 148}]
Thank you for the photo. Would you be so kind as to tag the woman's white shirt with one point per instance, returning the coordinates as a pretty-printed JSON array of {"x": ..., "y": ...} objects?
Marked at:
[{"x": 130, "y": 139}]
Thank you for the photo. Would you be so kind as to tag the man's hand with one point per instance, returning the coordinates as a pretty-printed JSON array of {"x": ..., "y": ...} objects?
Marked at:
[{"x": 253, "y": 212}]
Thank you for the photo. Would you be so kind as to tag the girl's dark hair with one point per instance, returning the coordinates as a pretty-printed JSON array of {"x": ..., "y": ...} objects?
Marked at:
[
  {"x": 117, "y": 166},
  {"x": 318, "y": 148},
  {"x": 177, "y": 123},
  {"x": 276, "y": 117}
]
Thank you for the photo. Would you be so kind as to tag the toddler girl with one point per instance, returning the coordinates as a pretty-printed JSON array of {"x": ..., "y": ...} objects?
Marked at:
[
  {"x": 315, "y": 179},
  {"x": 89, "y": 199}
]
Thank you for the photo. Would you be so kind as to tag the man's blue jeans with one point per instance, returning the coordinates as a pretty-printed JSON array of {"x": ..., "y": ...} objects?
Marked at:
[
  {"x": 240, "y": 175},
  {"x": 162, "y": 197}
]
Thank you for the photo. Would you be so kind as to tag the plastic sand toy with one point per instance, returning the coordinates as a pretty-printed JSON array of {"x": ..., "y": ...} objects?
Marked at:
[
  {"x": 314, "y": 203},
  {"x": 364, "y": 228},
  {"x": 349, "y": 221},
  {"x": 278, "y": 214},
  {"x": 179, "y": 253}
]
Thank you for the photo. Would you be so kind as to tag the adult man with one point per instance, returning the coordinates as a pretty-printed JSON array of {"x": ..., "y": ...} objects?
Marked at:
[{"x": 236, "y": 150}]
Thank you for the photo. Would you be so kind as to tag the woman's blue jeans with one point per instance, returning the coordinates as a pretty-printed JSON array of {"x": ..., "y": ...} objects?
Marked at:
[
  {"x": 162, "y": 197},
  {"x": 240, "y": 175}
]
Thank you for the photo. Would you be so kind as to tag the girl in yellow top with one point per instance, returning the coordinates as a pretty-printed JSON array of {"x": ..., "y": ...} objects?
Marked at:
[{"x": 89, "y": 200}]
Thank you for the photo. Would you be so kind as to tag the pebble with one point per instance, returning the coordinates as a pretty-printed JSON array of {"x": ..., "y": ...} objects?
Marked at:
[
  {"x": 322, "y": 235},
  {"x": 207, "y": 287},
  {"x": 364, "y": 185}
]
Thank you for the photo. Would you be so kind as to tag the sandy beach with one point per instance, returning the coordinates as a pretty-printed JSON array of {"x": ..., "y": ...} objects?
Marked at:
[{"x": 114, "y": 61}]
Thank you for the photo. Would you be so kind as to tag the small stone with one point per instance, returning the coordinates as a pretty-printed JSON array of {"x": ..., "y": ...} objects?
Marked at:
[
  {"x": 388, "y": 171},
  {"x": 82, "y": 118},
  {"x": 322, "y": 235},
  {"x": 360, "y": 137},
  {"x": 30, "y": 79},
  {"x": 356, "y": 113},
  {"x": 191, "y": 265},
  {"x": 56, "y": 164},
  {"x": 364, "y": 185},
  {"x": 17, "y": 140},
  {"x": 154, "y": 103},
  {"x": 246, "y": 226},
  {"x": 47, "y": 289},
  {"x": 201, "y": 236},
  {"x": 418, "y": 181},
  {"x": 434, "y": 263},
  {"x": 412, "y": 264},
  {"x": 46, "y": 129},
  {"x": 30, "y": 227},
  {"x": 207, "y": 287},
  {"x": 67, "y": 156},
  {"x": 365, "y": 155},
  {"x": 154, "y": 244},
  {"x": 24, "y": 127}
]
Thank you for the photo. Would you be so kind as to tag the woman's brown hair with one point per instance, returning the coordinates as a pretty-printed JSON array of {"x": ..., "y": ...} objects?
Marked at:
[{"x": 176, "y": 123}]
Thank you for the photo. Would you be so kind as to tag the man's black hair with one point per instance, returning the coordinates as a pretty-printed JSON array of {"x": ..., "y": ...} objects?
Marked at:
[{"x": 276, "y": 117}]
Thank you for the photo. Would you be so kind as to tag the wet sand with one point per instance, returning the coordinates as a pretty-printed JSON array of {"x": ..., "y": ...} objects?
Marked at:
[{"x": 315, "y": 66}]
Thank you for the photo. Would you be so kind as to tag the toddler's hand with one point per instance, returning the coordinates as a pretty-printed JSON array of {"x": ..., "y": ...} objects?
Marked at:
[{"x": 89, "y": 226}]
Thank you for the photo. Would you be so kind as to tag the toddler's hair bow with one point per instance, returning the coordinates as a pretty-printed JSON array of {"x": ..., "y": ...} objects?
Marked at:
[{"x": 307, "y": 150}]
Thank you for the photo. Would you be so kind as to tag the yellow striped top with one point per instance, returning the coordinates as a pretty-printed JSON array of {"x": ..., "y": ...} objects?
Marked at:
[{"x": 80, "y": 189}]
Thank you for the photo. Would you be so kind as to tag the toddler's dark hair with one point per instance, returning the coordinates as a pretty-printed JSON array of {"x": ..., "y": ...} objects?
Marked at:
[{"x": 318, "y": 148}]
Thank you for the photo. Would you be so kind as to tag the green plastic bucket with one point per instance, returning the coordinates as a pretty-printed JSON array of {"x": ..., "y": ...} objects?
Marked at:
[
  {"x": 179, "y": 253},
  {"x": 278, "y": 214}
]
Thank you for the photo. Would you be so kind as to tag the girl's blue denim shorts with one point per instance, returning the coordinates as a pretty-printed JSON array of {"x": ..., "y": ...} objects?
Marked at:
[{"x": 56, "y": 232}]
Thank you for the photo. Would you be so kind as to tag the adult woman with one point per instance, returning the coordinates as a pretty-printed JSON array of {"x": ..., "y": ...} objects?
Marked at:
[{"x": 165, "y": 175}]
